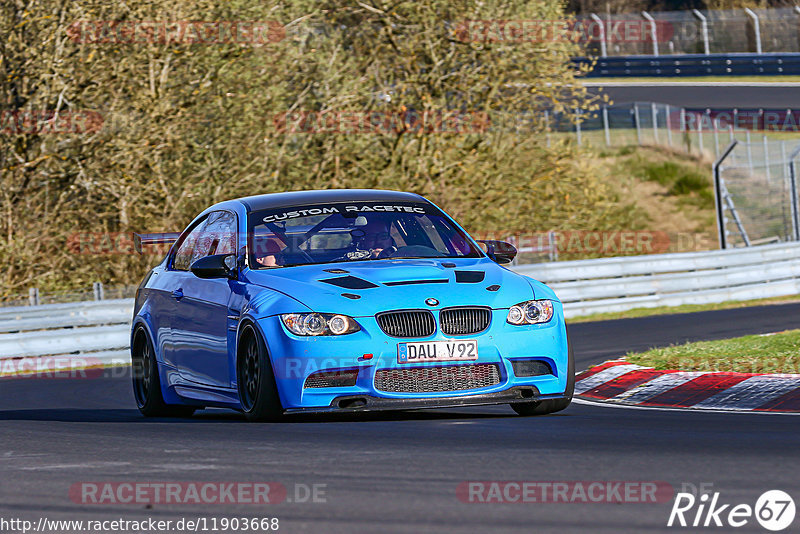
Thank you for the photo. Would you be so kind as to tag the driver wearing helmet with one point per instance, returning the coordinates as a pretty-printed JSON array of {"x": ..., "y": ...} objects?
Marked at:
[{"x": 377, "y": 240}]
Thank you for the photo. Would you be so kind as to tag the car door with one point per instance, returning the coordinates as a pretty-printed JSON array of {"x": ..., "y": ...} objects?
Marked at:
[
  {"x": 200, "y": 335},
  {"x": 168, "y": 285}
]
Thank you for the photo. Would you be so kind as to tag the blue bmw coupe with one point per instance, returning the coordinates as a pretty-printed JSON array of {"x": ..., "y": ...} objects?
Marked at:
[{"x": 342, "y": 301}]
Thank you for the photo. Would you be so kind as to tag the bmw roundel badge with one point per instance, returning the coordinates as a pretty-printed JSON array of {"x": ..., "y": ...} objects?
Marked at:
[{"x": 431, "y": 302}]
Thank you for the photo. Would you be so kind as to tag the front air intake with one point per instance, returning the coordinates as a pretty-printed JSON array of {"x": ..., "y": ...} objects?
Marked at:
[
  {"x": 407, "y": 323},
  {"x": 464, "y": 320},
  {"x": 332, "y": 379},
  {"x": 435, "y": 379},
  {"x": 531, "y": 368}
]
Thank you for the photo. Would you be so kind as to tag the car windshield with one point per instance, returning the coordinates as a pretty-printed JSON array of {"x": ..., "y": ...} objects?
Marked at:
[{"x": 353, "y": 231}]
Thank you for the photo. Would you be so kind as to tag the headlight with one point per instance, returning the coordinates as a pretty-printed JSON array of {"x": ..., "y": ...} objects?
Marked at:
[
  {"x": 319, "y": 324},
  {"x": 530, "y": 312}
]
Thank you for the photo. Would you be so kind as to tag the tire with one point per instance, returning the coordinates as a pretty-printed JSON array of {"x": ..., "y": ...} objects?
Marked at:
[
  {"x": 255, "y": 378},
  {"x": 146, "y": 382},
  {"x": 552, "y": 405}
]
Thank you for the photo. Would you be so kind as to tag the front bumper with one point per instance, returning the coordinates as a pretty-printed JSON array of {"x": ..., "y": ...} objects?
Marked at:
[
  {"x": 294, "y": 358},
  {"x": 365, "y": 403}
]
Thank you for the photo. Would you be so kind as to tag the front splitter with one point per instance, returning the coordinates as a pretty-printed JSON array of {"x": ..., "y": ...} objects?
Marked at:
[{"x": 367, "y": 403}]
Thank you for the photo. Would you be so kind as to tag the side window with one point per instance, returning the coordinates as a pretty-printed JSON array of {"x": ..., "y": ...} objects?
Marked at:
[
  {"x": 219, "y": 235},
  {"x": 183, "y": 256},
  {"x": 215, "y": 235}
]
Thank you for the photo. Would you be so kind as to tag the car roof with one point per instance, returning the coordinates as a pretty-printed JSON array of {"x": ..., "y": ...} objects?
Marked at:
[{"x": 298, "y": 198}]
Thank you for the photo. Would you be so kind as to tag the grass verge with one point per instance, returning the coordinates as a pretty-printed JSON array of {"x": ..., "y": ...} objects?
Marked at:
[
  {"x": 685, "y": 308},
  {"x": 765, "y": 353}
]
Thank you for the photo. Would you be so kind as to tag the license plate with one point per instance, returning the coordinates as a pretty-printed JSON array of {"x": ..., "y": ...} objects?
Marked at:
[{"x": 437, "y": 351}]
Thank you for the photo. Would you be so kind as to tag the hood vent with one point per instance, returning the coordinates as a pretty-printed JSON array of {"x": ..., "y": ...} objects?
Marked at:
[
  {"x": 470, "y": 277},
  {"x": 412, "y": 282},
  {"x": 349, "y": 282}
]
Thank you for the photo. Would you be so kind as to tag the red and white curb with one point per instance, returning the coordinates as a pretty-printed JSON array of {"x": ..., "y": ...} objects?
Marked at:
[{"x": 620, "y": 382}]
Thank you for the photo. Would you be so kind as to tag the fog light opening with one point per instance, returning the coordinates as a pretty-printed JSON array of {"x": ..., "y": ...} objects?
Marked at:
[
  {"x": 531, "y": 368},
  {"x": 332, "y": 379}
]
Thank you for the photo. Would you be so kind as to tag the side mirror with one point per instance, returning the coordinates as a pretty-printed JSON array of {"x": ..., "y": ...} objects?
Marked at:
[
  {"x": 500, "y": 251},
  {"x": 216, "y": 266}
]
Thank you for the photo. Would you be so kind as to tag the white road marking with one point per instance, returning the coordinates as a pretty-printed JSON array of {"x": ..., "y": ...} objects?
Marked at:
[
  {"x": 604, "y": 376},
  {"x": 185, "y": 467},
  {"x": 602, "y": 404},
  {"x": 750, "y": 393},
  {"x": 87, "y": 465}
]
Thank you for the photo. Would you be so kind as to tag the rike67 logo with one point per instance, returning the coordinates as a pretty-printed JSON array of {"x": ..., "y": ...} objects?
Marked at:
[{"x": 774, "y": 510}]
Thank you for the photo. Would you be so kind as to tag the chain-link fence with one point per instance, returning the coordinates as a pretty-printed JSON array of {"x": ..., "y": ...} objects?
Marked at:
[
  {"x": 755, "y": 177},
  {"x": 705, "y": 133},
  {"x": 97, "y": 291},
  {"x": 769, "y": 30},
  {"x": 756, "y": 191}
]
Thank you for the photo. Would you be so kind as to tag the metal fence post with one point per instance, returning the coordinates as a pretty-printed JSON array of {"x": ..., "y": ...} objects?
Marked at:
[
  {"x": 653, "y": 31},
  {"x": 578, "y": 124},
  {"x": 718, "y": 201},
  {"x": 606, "y": 130},
  {"x": 749, "y": 150},
  {"x": 704, "y": 29},
  {"x": 97, "y": 289},
  {"x": 669, "y": 126},
  {"x": 551, "y": 241},
  {"x": 766, "y": 159},
  {"x": 637, "y": 123},
  {"x": 654, "y": 118},
  {"x": 756, "y": 28},
  {"x": 33, "y": 296},
  {"x": 599, "y": 22},
  {"x": 715, "y": 124},
  {"x": 784, "y": 166},
  {"x": 793, "y": 192},
  {"x": 684, "y": 129},
  {"x": 700, "y": 147}
]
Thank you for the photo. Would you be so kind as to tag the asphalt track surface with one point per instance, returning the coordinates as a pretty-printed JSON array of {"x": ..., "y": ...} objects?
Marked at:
[
  {"x": 712, "y": 96},
  {"x": 398, "y": 472}
]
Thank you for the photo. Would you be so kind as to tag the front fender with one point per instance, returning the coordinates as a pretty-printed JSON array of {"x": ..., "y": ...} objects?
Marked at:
[{"x": 541, "y": 290}]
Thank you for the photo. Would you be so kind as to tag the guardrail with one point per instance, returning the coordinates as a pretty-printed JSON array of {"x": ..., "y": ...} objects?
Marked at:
[
  {"x": 623, "y": 283},
  {"x": 694, "y": 65},
  {"x": 99, "y": 331},
  {"x": 96, "y": 332}
]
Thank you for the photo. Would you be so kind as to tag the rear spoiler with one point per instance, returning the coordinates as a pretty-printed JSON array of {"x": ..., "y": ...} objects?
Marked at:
[{"x": 139, "y": 240}]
